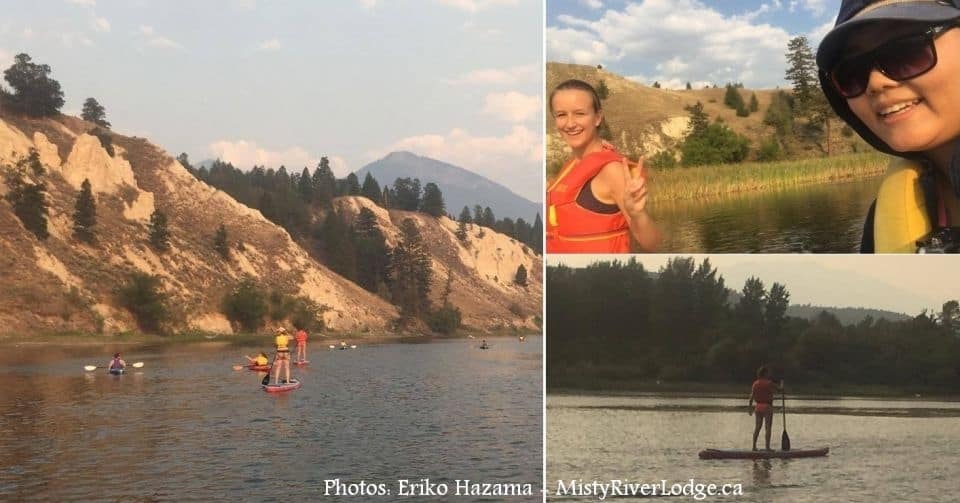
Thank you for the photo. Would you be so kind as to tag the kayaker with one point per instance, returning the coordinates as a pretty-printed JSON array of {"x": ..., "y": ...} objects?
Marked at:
[
  {"x": 888, "y": 69},
  {"x": 762, "y": 392},
  {"x": 261, "y": 359},
  {"x": 483, "y": 344},
  {"x": 282, "y": 358},
  {"x": 596, "y": 203},
  {"x": 301, "y": 338},
  {"x": 117, "y": 363}
]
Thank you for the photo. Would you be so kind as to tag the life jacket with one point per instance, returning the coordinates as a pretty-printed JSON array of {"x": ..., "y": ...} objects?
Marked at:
[
  {"x": 903, "y": 215},
  {"x": 281, "y": 342},
  {"x": 572, "y": 228},
  {"x": 117, "y": 363}
]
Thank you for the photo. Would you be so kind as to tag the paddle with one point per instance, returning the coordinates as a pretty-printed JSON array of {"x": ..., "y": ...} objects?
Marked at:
[
  {"x": 784, "y": 439},
  {"x": 90, "y": 368}
]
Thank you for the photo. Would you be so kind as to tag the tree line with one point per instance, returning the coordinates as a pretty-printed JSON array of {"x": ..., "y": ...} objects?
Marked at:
[{"x": 617, "y": 321}]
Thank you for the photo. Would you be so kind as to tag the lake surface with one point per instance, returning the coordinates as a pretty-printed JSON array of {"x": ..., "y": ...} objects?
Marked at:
[
  {"x": 188, "y": 426},
  {"x": 908, "y": 455},
  {"x": 819, "y": 218}
]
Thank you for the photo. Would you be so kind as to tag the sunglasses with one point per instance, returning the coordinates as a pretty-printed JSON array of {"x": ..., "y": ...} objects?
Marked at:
[{"x": 899, "y": 59}]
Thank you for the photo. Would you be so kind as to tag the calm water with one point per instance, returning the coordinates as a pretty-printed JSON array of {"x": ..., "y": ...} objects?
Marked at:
[
  {"x": 874, "y": 456},
  {"x": 188, "y": 426},
  {"x": 822, "y": 218}
]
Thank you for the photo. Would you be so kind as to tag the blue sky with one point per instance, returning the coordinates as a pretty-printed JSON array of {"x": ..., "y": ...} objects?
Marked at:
[
  {"x": 680, "y": 41},
  {"x": 287, "y": 82}
]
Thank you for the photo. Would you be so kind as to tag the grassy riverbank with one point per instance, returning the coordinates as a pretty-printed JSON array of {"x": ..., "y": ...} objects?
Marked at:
[{"x": 710, "y": 181}]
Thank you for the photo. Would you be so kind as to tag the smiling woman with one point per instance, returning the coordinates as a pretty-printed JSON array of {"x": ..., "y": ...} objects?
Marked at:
[
  {"x": 889, "y": 70},
  {"x": 597, "y": 201}
]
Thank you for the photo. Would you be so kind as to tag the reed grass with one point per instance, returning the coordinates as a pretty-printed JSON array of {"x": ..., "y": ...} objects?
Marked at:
[{"x": 710, "y": 181}]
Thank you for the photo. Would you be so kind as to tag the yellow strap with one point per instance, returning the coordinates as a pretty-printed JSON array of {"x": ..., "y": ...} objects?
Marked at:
[{"x": 900, "y": 218}]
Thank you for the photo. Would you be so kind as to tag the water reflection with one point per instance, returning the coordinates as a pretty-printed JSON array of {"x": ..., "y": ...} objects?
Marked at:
[
  {"x": 187, "y": 424},
  {"x": 823, "y": 218}
]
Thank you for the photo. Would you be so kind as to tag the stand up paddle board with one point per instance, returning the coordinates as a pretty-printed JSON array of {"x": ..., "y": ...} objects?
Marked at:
[{"x": 734, "y": 454}]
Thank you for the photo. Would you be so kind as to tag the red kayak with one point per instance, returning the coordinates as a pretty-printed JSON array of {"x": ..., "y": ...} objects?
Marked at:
[
  {"x": 258, "y": 367},
  {"x": 277, "y": 388},
  {"x": 732, "y": 454}
]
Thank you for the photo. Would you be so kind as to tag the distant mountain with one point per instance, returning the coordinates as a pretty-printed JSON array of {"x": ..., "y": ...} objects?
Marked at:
[
  {"x": 460, "y": 187},
  {"x": 846, "y": 315}
]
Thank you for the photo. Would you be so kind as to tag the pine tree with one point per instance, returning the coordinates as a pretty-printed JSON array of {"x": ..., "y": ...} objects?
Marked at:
[
  {"x": 536, "y": 233},
  {"x": 698, "y": 120},
  {"x": 689, "y": 87},
  {"x": 410, "y": 272},
  {"x": 462, "y": 224},
  {"x": 353, "y": 185},
  {"x": 95, "y": 113},
  {"x": 27, "y": 193},
  {"x": 371, "y": 189},
  {"x": 754, "y": 104},
  {"x": 489, "y": 220},
  {"x": 371, "y": 251},
  {"x": 85, "y": 214},
  {"x": 602, "y": 90},
  {"x": 324, "y": 183},
  {"x": 520, "y": 277},
  {"x": 35, "y": 93},
  {"x": 184, "y": 161},
  {"x": 305, "y": 186},
  {"x": 432, "y": 203},
  {"x": 159, "y": 235},
  {"x": 801, "y": 71},
  {"x": 220, "y": 242}
]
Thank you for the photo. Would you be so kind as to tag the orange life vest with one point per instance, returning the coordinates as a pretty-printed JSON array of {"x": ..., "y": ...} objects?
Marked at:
[{"x": 572, "y": 228}]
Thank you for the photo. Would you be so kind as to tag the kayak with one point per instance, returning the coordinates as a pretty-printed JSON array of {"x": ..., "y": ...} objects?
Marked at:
[
  {"x": 277, "y": 388},
  {"x": 258, "y": 367},
  {"x": 484, "y": 347},
  {"x": 116, "y": 372},
  {"x": 733, "y": 454}
]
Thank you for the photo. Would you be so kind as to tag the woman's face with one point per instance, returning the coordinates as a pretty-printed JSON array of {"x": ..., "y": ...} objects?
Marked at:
[
  {"x": 575, "y": 117},
  {"x": 916, "y": 115}
]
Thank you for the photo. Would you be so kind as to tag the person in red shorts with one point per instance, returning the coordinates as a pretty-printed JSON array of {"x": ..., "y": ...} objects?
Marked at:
[
  {"x": 762, "y": 393},
  {"x": 301, "y": 338}
]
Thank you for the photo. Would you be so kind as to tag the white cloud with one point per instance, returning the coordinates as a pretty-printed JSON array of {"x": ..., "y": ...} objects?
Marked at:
[
  {"x": 101, "y": 24},
  {"x": 593, "y": 4},
  {"x": 817, "y": 7},
  {"x": 703, "y": 43},
  {"x": 270, "y": 45},
  {"x": 71, "y": 40},
  {"x": 6, "y": 58},
  {"x": 817, "y": 34},
  {"x": 83, "y": 3},
  {"x": 475, "y": 5},
  {"x": 512, "y": 106},
  {"x": 514, "y": 160},
  {"x": 471, "y": 27},
  {"x": 500, "y": 76},
  {"x": 151, "y": 38},
  {"x": 368, "y": 4},
  {"x": 245, "y": 154}
]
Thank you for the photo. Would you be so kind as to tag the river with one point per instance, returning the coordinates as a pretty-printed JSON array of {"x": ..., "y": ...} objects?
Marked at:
[
  {"x": 880, "y": 450},
  {"x": 820, "y": 218},
  {"x": 188, "y": 426}
]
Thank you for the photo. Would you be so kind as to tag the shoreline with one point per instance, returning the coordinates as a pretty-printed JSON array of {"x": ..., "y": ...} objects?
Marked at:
[{"x": 689, "y": 390}]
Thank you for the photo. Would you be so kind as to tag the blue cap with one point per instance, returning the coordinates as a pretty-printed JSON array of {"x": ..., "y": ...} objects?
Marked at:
[{"x": 854, "y": 13}]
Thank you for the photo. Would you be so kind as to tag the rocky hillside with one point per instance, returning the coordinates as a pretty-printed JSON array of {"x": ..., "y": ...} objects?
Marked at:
[
  {"x": 645, "y": 120},
  {"x": 61, "y": 284},
  {"x": 482, "y": 268}
]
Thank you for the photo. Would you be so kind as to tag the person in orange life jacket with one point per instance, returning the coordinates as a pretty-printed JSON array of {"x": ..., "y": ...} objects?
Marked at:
[
  {"x": 596, "y": 202},
  {"x": 301, "y": 337},
  {"x": 117, "y": 362},
  {"x": 762, "y": 393},
  {"x": 889, "y": 69}
]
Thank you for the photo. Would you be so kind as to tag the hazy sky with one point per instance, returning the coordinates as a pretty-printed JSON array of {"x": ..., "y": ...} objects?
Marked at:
[
  {"x": 287, "y": 82},
  {"x": 680, "y": 41},
  {"x": 901, "y": 283}
]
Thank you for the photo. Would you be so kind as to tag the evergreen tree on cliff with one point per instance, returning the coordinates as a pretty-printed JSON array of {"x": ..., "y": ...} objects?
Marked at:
[
  {"x": 324, "y": 183},
  {"x": 371, "y": 189},
  {"x": 27, "y": 193},
  {"x": 159, "y": 235},
  {"x": 410, "y": 272},
  {"x": 34, "y": 92},
  {"x": 220, "y": 242},
  {"x": 536, "y": 233},
  {"x": 373, "y": 255},
  {"x": 462, "y": 224},
  {"x": 85, "y": 214},
  {"x": 432, "y": 203},
  {"x": 520, "y": 277},
  {"x": 95, "y": 113},
  {"x": 353, "y": 185}
]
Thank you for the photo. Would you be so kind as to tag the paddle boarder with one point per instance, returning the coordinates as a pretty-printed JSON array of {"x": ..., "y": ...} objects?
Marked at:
[
  {"x": 260, "y": 360},
  {"x": 301, "y": 338},
  {"x": 282, "y": 358},
  {"x": 762, "y": 392}
]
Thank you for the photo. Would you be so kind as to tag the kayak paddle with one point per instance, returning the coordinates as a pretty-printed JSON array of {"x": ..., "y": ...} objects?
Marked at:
[
  {"x": 90, "y": 368},
  {"x": 784, "y": 439}
]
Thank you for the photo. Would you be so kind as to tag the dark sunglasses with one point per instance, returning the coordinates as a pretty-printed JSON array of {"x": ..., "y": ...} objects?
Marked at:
[{"x": 903, "y": 58}]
